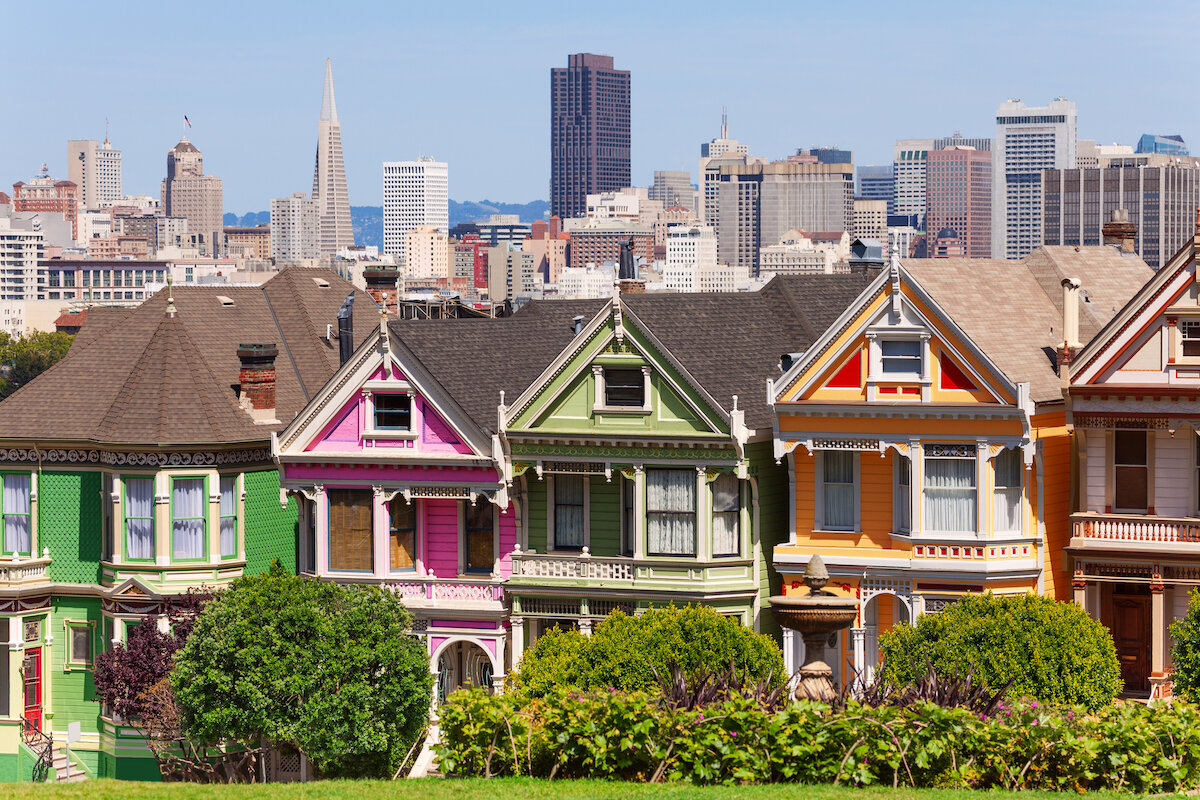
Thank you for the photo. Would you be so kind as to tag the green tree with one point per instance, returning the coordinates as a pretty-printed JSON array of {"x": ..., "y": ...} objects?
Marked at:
[
  {"x": 1051, "y": 651},
  {"x": 625, "y": 652},
  {"x": 330, "y": 670},
  {"x": 1185, "y": 650},
  {"x": 24, "y": 358}
]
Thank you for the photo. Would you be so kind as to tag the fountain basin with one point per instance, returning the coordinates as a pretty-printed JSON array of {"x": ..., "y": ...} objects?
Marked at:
[{"x": 817, "y": 613}]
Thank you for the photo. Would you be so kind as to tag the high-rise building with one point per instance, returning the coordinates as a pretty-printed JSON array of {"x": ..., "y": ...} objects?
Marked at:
[
  {"x": 187, "y": 192},
  {"x": 426, "y": 253},
  {"x": 870, "y": 220},
  {"x": 46, "y": 195},
  {"x": 956, "y": 139},
  {"x": 1172, "y": 145},
  {"x": 295, "y": 228},
  {"x": 958, "y": 195},
  {"x": 1159, "y": 193},
  {"x": 1028, "y": 140},
  {"x": 329, "y": 176},
  {"x": 876, "y": 183},
  {"x": 908, "y": 174},
  {"x": 759, "y": 203},
  {"x": 1089, "y": 154},
  {"x": 589, "y": 131},
  {"x": 832, "y": 155},
  {"x": 21, "y": 252},
  {"x": 96, "y": 169},
  {"x": 722, "y": 145},
  {"x": 415, "y": 193},
  {"x": 671, "y": 188}
]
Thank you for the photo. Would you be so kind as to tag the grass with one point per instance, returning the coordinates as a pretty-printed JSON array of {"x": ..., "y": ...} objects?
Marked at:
[{"x": 496, "y": 789}]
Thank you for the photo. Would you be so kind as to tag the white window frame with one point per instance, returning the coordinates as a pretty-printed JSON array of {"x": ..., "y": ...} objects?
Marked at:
[
  {"x": 369, "y": 431},
  {"x": 876, "y": 375},
  {"x": 1020, "y": 487},
  {"x": 1148, "y": 466},
  {"x": 819, "y": 504},
  {"x": 462, "y": 539},
  {"x": 551, "y": 545},
  {"x": 600, "y": 401},
  {"x": 971, "y": 455}
]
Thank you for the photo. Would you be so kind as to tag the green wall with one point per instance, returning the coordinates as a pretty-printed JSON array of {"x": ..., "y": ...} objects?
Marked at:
[
  {"x": 605, "y": 515},
  {"x": 271, "y": 531},
  {"x": 73, "y": 697},
  {"x": 773, "y": 500},
  {"x": 71, "y": 524}
]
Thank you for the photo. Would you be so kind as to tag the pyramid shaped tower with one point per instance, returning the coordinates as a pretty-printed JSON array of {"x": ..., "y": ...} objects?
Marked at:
[{"x": 329, "y": 176}]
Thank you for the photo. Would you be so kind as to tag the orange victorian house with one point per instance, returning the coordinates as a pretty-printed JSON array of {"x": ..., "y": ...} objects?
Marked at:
[{"x": 926, "y": 437}]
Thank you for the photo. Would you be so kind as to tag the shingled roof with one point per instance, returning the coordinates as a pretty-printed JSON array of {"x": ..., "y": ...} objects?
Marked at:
[
  {"x": 141, "y": 377},
  {"x": 730, "y": 343}
]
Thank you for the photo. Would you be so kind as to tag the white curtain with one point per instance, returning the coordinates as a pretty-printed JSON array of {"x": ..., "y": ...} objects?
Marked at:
[
  {"x": 838, "y": 473},
  {"x": 139, "y": 518},
  {"x": 726, "y": 510},
  {"x": 950, "y": 495},
  {"x": 903, "y": 493},
  {"x": 1007, "y": 500},
  {"x": 187, "y": 524},
  {"x": 671, "y": 511},
  {"x": 17, "y": 535},
  {"x": 228, "y": 516},
  {"x": 568, "y": 510}
]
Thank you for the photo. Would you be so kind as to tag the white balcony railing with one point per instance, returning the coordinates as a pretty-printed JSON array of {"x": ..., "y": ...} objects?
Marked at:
[
  {"x": 28, "y": 570},
  {"x": 429, "y": 593},
  {"x": 1134, "y": 528},
  {"x": 574, "y": 565}
]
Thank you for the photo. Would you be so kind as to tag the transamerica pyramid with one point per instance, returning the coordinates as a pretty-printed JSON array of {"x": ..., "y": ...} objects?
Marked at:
[{"x": 329, "y": 176}]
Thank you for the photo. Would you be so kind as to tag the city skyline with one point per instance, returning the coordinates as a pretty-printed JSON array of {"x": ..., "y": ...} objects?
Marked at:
[{"x": 399, "y": 103}]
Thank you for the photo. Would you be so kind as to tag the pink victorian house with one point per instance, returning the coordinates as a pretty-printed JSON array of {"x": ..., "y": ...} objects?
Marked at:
[{"x": 400, "y": 486}]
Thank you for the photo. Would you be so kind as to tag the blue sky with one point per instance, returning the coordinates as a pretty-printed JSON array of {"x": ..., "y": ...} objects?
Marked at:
[{"x": 468, "y": 82}]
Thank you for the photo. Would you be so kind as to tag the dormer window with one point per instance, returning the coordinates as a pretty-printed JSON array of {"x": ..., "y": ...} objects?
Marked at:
[
  {"x": 393, "y": 412},
  {"x": 624, "y": 388},
  {"x": 901, "y": 359}
]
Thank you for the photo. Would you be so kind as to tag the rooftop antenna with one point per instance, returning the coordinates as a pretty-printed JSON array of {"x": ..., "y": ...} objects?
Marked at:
[{"x": 724, "y": 123}]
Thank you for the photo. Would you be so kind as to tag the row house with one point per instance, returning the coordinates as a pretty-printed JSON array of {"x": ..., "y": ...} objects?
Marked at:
[
  {"x": 135, "y": 469},
  {"x": 926, "y": 437},
  {"x": 1134, "y": 407}
]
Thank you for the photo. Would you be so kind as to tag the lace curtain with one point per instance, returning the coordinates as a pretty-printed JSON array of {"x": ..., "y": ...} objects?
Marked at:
[
  {"x": 187, "y": 518},
  {"x": 671, "y": 511},
  {"x": 1007, "y": 500},
  {"x": 17, "y": 534},
  {"x": 838, "y": 474},
  {"x": 139, "y": 518},
  {"x": 726, "y": 510},
  {"x": 228, "y": 516},
  {"x": 950, "y": 499},
  {"x": 568, "y": 511}
]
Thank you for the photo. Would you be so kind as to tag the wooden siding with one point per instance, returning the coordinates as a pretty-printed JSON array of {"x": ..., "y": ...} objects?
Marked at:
[
  {"x": 1174, "y": 471},
  {"x": 1056, "y": 462},
  {"x": 605, "y": 516},
  {"x": 441, "y": 537},
  {"x": 1097, "y": 471}
]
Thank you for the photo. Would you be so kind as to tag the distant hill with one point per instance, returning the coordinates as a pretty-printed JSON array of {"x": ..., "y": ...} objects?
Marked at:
[{"x": 368, "y": 220}]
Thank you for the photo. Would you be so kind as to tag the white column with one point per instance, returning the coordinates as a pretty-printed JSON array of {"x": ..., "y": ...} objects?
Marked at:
[
  {"x": 516, "y": 641},
  {"x": 858, "y": 649},
  {"x": 789, "y": 652},
  {"x": 639, "y": 511},
  {"x": 703, "y": 517},
  {"x": 320, "y": 508},
  {"x": 585, "y": 626},
  {"x": 381, "y": 557}
]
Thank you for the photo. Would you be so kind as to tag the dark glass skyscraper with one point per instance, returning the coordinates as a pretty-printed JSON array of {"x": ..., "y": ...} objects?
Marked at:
[{"x": 589, "y": 131}]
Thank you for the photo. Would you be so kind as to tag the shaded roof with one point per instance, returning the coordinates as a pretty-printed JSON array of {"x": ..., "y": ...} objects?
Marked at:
[
  {"x": 136, "y": 376},
  {"x": 1013, "y": 309}
]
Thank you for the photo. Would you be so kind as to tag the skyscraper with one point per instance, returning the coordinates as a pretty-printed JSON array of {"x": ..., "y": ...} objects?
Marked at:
[
  {"x": 187, "y": 192},
  {"x": 589, "y": 131},
  {"x": 908, "y": 175},
  {"x": 876, "y": 183},
  {"x": 329, "y": 176},
  {"x": 958, "y": 197},
  {"x": 415, "y": 194},
  {"x": 96, "y": 169},
  {"x": 671, "y": 188},
  {"x": 1028, "y": 140}
]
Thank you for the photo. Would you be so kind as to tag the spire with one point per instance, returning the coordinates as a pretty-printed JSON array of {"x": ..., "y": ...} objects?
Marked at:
[
  {"x": 724, "y": 124},
  {"x": 328, "y": 103}
]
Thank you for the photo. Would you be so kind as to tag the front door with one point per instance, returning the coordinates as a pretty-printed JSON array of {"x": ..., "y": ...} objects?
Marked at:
[
  {"x": 1131, "y": 634},
  {"x": 32, "y": 667}
]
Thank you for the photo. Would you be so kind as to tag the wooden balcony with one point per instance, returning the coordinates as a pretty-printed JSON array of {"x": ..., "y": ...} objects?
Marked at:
[
  {"x": 1134, "y": 532},
  {"x": 583, "y": 569}
]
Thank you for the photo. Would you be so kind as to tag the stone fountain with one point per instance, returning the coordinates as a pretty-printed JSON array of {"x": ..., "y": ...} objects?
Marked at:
[{"x": 815, "y": 616}]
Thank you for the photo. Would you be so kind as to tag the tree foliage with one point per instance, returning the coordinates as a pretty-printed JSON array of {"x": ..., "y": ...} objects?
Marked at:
[
  {"x": 330, "y": 670},
  {"x": 639, "y": 652},
  {"x": 24, "y": 358},
  {"x": 1185, "y": 649},
  {"x": 1050, "y": 651}
]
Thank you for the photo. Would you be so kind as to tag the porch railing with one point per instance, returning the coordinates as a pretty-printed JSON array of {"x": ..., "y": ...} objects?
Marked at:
[
  {"x": 1134, "y": 528},
  {"x": 542, "y": 565},
  {"x": 42, "y": 744},
  {"x": 27, "y": 570},
  {"x": 433, "y": 590}
]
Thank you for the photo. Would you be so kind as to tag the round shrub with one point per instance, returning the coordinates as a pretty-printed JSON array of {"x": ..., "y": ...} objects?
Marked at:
[
  {"x": 1185, "y": 650},
  {"x": 625, "y": 652},
  {"x": 1051, "y": 651}
]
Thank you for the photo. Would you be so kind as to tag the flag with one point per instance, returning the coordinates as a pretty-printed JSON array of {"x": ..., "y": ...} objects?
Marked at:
[{"x": 186, "y": 120}]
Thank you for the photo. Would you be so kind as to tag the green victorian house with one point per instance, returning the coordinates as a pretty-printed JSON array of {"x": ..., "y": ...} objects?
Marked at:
[{"x": 136, "y": 468}]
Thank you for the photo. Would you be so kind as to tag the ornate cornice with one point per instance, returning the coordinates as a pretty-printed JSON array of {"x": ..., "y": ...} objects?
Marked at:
[
  {"x": 627, "y": 453},
  {"x": 208, "y": 458}
]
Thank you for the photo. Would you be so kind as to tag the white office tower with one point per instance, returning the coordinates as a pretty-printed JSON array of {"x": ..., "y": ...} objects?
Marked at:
[
  {"x": 295, "y": 228},
  {"x": 329, "y": 176},
  {"x": 692, "y": 262},
  {"x": 415, "y": 194},
  {"x": 95, "y": 168},
  {"x": 1028, "y": 140},
  {"x": 909, "y": 159}
]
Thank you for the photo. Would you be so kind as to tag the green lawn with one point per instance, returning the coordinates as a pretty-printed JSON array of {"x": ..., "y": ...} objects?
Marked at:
[{"x": 477, "y": 789}]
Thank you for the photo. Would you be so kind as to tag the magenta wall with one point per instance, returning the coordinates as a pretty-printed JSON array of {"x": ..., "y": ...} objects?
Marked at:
[{"x": 441, "y": 537}]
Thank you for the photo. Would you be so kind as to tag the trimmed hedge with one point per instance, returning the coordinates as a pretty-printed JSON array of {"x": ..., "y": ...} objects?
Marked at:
[
  {"x": 624, "y": 652},
  {"x": 637, "y": 737},
  {"x": 1051, "y": 651}
]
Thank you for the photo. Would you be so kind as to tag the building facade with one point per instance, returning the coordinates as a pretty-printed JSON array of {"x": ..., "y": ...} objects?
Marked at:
[
  {"x": 295, "y": 232},
  {"x": 671, "y": 188},
  {"x": 336, "y": 229},
  {"x": 908, "y": 166},
  {"x": 43, "y": 194},
  {"x": 95, "y": 168},
  {"x": 958, "y": 195},
  {"x": 187, "y": 192},
  {"x": 589, "y": 131},
  {"x": 426, "y": 253},
  {"x": 876, "y": 183},
  {"x": 415, "y": 193},
  {"x": 1171, "y": 145}
]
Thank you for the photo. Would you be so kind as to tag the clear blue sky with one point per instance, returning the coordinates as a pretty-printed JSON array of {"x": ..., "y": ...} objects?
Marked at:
[{"x": 469, "y": 82}]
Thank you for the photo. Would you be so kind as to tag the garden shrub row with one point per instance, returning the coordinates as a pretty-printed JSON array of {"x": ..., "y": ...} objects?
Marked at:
[{"x": 635, "y": 736}]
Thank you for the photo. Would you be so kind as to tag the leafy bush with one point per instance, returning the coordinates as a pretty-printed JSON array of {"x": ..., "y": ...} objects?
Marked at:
[
  {"x": 635, "y": 736},
  {"x": 1185, "y": 650},
  {"x": 634, "y": 653},
  {"x": 331, "y": 670},
  {"x": 1050, "y": 651}
]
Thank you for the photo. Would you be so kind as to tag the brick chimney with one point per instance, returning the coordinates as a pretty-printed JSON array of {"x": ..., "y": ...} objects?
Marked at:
[
  {"x": 257, "y": 380},
  {"x": 383, "y": 285},
  {"x": 1119, "y": 232}
]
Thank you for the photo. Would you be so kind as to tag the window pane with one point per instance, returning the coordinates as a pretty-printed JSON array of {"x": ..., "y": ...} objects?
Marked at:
[
  {"x": 480, "y": 536},
  {"x": 187, "y": 518},
  {"x": 1131, "y": 490},
  {"x": 228, "y": 516},
  {"x": 403, "y": 534},
  {"x": 624, "y": 387},
  {"x": 350, "y": 529},
  {"x": 903, "y": 493},
  {"x": 950, "y": 501},
  {"x": 568, "y": 511},
  {"x": 838, "y": 490},
  {"x": 81, "y": 644},
  {"x": 902, "y": 347},
  {"x": 726, "y": 514},
  {"x": 671, "y": 511},
  {"x": 1006, "y": 502},
  {"x": 139, "y": 517},
  {"x": 393, "y": 411},
  {"x": 1130, "y": 447},
  {"x": 838, "y": 466}
]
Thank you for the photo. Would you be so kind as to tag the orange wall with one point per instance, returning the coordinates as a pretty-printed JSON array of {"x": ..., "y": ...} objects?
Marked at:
[{"x": 1057, "y": 460}]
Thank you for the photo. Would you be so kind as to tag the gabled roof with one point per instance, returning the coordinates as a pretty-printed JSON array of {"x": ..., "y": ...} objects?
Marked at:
[{"x": 142, "y": 378}]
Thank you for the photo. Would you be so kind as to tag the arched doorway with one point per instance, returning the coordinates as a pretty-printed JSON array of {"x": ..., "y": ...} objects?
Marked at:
[
  {"x": 463, "y": 663},
  {"x": 881, "y": 612}
]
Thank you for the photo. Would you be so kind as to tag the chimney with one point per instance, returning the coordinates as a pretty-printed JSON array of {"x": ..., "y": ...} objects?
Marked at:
[
  {"x": 383, "y": 285},
  {"x": 577, "y": 324},
  {"x": 257, "y": 380},
  {"x": 1071, "y": 344},
  {"x": 345, "y": 320},
  {"x": 1119, "y": 232}
]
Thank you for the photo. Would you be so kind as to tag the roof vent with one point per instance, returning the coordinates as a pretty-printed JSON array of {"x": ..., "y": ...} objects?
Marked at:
[
  {"x": 321, "y": 282},
  {"x": 577, "y": 324},
  {"x": 225, "y": 301}
]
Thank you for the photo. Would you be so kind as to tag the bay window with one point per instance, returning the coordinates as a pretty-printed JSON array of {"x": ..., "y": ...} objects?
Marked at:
[
  {"x": 1006, "y": 497},
  {"x": 950, "y": 492},
  {"x": 569, "y": 524},
  {"x": 837, "y": 490},
  {"x": 727, "y": 512},
  {"x": 139, "y": 518},
  {"x": 350, "y": 539},
  {"x": 1131, "y": 472},
  {"x": 228, "y": 516},
  {"x": 188, "y": 512},
  {"x": 18, "y": 530},
  {"x": 671, "y": 512},
  {"x": 402, "y": 533}
]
